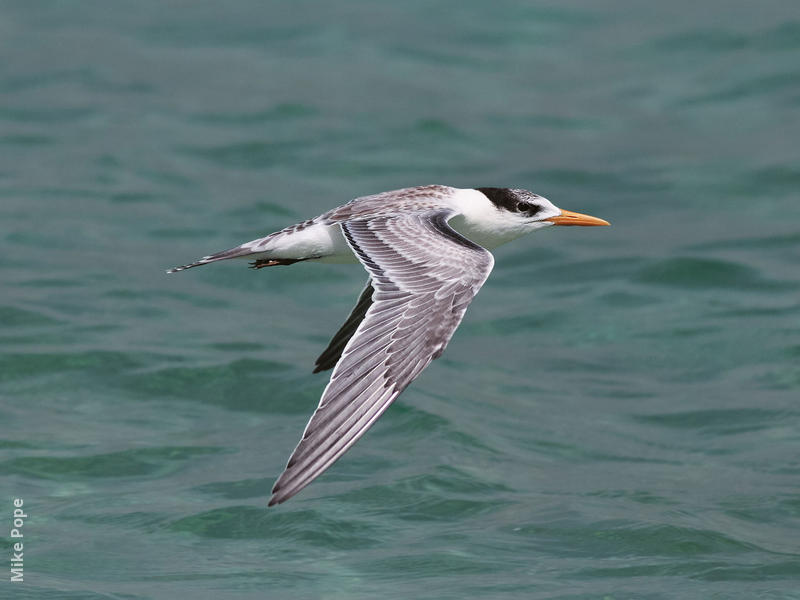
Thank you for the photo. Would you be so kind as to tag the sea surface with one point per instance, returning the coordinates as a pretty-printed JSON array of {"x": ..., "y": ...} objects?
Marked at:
[{"x": 617, "y": 418}]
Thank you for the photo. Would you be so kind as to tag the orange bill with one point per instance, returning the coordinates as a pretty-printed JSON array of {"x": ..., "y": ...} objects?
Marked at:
[{"x": 567, "y": 217}]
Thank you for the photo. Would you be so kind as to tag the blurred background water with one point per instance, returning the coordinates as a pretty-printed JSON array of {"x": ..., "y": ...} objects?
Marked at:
[{"x": 617, "y": 417}]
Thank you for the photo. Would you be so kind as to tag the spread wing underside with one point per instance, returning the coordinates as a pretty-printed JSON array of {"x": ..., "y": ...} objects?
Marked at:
[{"x": 423, "y": 275}]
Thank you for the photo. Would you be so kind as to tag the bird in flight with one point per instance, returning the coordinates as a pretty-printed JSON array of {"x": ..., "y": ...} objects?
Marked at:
[{"x": 426, "y": 250}]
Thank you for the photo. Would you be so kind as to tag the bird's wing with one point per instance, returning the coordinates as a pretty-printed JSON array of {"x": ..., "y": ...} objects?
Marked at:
[
  {"x": 329, "y": 358},
  {"x": 424, "y": 275}
]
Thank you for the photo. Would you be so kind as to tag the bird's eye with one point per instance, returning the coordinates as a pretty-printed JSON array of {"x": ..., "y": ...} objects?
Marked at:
[{"x": 528, "y": 207}]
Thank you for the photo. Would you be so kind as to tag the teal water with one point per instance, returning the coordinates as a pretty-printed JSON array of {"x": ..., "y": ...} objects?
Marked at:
[{"x": 618, "y": 416}]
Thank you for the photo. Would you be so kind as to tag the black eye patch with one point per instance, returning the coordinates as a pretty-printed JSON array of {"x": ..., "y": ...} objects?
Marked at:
[
  {"x": 511, "y": 200},
  {"x": 530, "y": 209}
]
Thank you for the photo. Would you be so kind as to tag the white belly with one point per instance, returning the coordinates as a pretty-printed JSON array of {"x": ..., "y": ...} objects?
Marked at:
[{"x": 325, "y": 243}]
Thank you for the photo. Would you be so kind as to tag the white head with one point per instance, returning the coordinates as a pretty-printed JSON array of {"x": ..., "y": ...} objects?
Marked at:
[
  {"x": 495, "y": 216},
  {"x": 524, "y": 208}
]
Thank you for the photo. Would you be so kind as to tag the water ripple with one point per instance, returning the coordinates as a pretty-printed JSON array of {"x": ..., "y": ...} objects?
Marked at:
[
  {"x": 136, "y": 462},
  {"x": 306, "y": 527},
  {"x": 700, "y": 273}
]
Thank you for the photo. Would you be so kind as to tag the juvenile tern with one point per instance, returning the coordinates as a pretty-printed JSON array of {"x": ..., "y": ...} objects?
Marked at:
[{"x": 426, "y": 250}]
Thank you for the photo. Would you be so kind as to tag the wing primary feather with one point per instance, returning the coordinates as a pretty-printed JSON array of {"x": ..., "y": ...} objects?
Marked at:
[{"x": 312, "y": 469}]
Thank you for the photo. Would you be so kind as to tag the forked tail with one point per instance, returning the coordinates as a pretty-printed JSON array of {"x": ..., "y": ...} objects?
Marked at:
[
  {"x": 262, "y": 251},
  {"x": 237, "y": 252}
]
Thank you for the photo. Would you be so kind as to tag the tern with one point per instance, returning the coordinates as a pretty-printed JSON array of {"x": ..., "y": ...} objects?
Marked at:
[{"x": 426, "y": 250}]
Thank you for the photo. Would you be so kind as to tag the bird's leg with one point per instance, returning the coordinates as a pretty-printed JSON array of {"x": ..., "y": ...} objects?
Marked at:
[{"x": 271, "y": 262}]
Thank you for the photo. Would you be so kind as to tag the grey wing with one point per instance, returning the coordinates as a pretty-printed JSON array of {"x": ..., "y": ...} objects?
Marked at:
[
  {"x": 330, "y": 356},
  {"x": 424, "y": 275}
]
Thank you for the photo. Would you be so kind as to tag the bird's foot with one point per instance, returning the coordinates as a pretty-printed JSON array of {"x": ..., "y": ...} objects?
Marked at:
[{"x": 271, "y": 262}]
